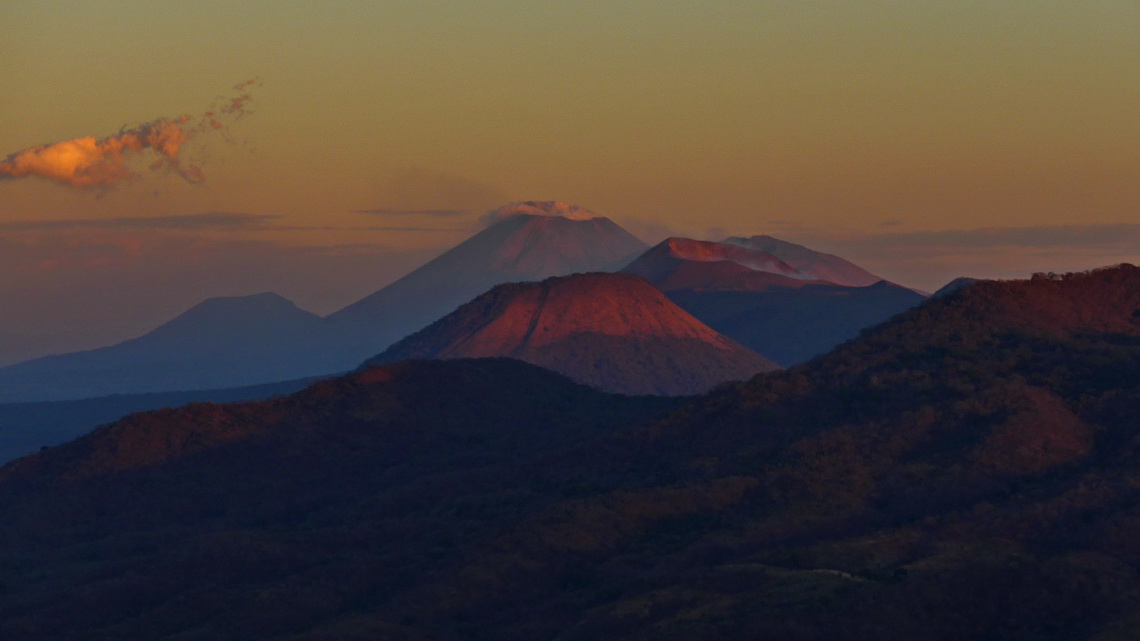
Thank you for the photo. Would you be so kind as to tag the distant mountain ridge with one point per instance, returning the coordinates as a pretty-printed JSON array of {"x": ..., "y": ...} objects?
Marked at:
[
  {"x": 683, "y": 263},
  {"x": 612, "y": 331},
  {"x": 220, "y": 342},
  {"x": 812, "y": 264},
  {"x": 27, "y": 427},
  {"x": 787, "y": 313}
]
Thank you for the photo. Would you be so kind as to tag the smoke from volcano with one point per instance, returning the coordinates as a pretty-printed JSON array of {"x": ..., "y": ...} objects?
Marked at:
[{"x": 89, "y": 162}]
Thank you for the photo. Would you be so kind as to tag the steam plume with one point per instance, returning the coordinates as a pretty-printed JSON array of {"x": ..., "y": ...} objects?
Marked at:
[
  {"x": 538, "y": 208},
  {"x": 89, "y": 162}
]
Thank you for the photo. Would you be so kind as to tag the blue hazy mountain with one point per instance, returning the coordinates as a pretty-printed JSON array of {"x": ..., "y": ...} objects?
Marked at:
[{"x": 220, "y": 342}]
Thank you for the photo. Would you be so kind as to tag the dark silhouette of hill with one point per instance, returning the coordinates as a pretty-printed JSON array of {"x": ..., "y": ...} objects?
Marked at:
[
  {"x": 261, "y": 520},
  {"x": 615, "y": 332},
  {"x": 787, "y": 313},
  {"x": 954, "y": 285},
  {"x": 221, "y": 342},
  {"x": 967, "y": 470}
]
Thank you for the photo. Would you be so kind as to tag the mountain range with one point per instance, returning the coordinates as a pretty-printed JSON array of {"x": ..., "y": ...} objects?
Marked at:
[
  {"x": 781, "y": 300},
  {"x": 967, "y": 469},
  {"x": 240, "y": 341}
]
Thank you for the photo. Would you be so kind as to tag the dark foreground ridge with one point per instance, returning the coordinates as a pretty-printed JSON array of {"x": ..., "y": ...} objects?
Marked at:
[{"x": 969, "y": 470}]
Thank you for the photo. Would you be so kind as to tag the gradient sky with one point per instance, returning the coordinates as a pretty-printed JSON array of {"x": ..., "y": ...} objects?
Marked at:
[{"x": 924, "y": 140}]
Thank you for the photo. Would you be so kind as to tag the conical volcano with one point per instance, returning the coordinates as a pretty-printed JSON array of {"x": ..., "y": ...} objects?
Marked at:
[
  {"x": 615, "y": 332},
  {"x": 782, "y": 300}
]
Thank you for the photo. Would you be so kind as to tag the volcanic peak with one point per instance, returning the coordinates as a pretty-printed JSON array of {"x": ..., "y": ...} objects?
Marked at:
[
  {"x": 811, "y": 263},
  {"x": 613, "y": 331},
  {"x": 525, "y": 316},
  {"x": 709, "y": 251}
]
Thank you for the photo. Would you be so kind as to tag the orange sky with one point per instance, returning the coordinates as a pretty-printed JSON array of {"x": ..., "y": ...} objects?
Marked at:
[{"x": 873, "y": 129}]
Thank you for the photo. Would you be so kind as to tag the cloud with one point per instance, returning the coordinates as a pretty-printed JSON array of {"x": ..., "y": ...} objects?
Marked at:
[
  {"x": 649, "y": 231},
  {"x": 1100, "y": 235},
  {"x": 439, "y": 213},
  {"x": 930, "y": 259},
  {"x": 550, "y": 208},
  {"x": 213, "y": 221},
  {"x": 428, "y": 192},
  {"x": 716, "y": 234},
  {"x": 361, "y": 228},
  {"x": 185, "y": 222},
  {"x": 415, "y": 229},
  {"x": 88, "y": 162}
]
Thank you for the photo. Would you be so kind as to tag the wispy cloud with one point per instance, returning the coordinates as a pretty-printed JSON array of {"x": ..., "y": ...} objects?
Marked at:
[
  {"x": 213, "y": 221},
  {"x": 100, "y": 163},
  {"x": 438, "y": 213},
  {"x": 184, "y": 222},
  {"x": 422, "y": 191},
  {"x": 415, "y": 229},
  {"x": 929, "y": 259},
  {"x": 360, "y": 228},
  {"x": 1121, "y": 235}
]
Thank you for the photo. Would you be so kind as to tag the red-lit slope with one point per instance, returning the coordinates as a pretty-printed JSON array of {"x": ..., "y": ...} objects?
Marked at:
[
  {"x": 810, "y": 263},
  {"x": 1105, "y": 300},
  {"x": 613, "y": 331},
  {"x": 764, "y": 303},
  {"x": 683, "y": 263}
]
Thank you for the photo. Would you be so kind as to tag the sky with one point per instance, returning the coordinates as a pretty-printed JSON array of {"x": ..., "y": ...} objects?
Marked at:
[{"x": 323, "y": 149}]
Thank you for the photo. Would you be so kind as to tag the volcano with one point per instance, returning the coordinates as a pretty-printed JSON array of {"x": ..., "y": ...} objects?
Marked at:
[
  {"x": 525, "y": 242},
  {"x": 684, "y": 263},
  {"x": 784, "y": 307},
  {"x": 615, "y": 332},
  {"x": 809, "y": 263}
]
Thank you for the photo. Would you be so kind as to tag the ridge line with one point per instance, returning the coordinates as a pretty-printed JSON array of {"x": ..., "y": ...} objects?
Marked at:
[{"x": 543, "y": 297}]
